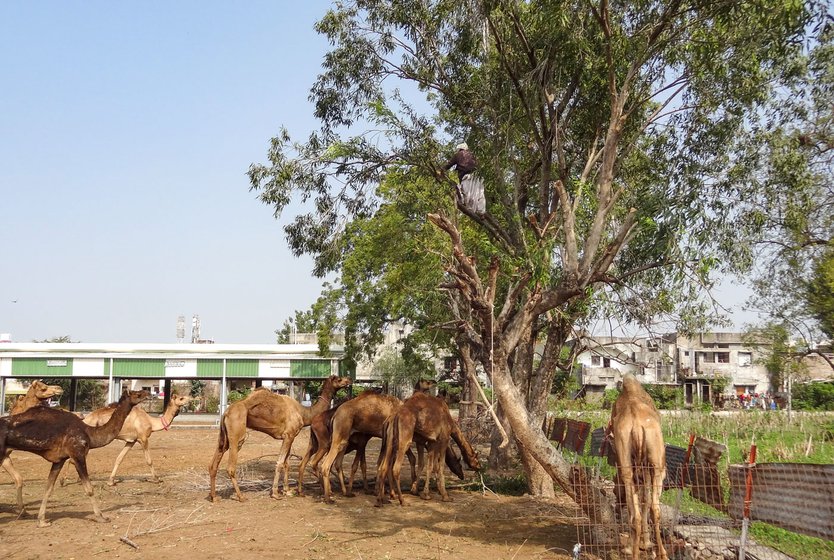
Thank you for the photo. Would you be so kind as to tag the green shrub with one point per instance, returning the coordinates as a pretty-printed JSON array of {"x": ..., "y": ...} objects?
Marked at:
[
  {"x": 238, "y": 395},
  {"x": 665, "y": 397},
  {"x": 608, "y": 398},
  {"x": 813, "y": 396}
]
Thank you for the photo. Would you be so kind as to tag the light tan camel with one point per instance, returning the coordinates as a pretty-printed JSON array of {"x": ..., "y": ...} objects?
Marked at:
[
  {"x": 279, "y": 416},
  {"x": 138, "y": 426},
  {"x": 37, "y": 395},
  {"x": 57, "y": 435},
  {"x": 428, "y": 417},
  {"x": 641, "y": 462}
]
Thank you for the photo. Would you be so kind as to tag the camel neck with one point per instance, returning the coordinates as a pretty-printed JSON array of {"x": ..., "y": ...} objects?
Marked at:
[
  {"x": 107, "y": 432},
  {"x": 168, "y": 416},
  {"x": 322, "y": 404}
]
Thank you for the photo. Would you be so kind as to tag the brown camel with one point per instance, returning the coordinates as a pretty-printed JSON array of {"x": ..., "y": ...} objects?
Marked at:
[
  {"x": 641, "y": 461},
  {"x": 364, "y": 414},
  {"x": 57, "y": 435},
  {"x": 37, "y": 395},
  {"x": 470, "y": 456},
  {"x": 138, "y": 426},
  {"x": 428, "y": 417},
  {"x": 320, "y": 436},
  {"x": 279, "y": 416}
]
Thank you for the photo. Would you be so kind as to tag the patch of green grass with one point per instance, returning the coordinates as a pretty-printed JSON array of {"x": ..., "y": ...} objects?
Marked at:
[
  {"x": 506, "y": 485},
  {"x": 792, "y": 544}
]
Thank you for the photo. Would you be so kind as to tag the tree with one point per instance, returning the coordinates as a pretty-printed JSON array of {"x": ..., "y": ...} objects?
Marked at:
[
  {"x": 786, "y": 190},
  {"x": 302, "y": 322},
  {"x": 603, "y": 132}
]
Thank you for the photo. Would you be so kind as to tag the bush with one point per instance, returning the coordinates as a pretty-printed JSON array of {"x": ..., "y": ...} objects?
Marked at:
[
  {"x": 665, "y": 397},
  {"x": 813, "y": 396},
  {"x": 608, "y": 398},
  {"x": 451, "y": 391},
  {"x": 238, "y": 395}
]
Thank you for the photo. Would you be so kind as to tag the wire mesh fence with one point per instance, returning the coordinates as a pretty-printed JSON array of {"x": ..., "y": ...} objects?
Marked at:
[{"x": 707, "y": 508}]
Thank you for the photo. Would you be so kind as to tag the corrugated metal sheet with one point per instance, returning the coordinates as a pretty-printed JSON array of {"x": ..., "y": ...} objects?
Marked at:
[
  {"x": 576, "y": 434},
  {"x": 558, "y": 433},
  {"x": 41, "y": 367},
  {"x": 138, "y": 367},
  {"x": 674, "y": 464},
  {"x": 242, "y": 368},
  {"x": 209, "y": 368},
  {"x": 310, "y": 368},
  {"x": 793, "y": 496}
]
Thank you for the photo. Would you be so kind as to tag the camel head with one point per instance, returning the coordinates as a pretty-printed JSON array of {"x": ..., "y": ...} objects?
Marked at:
[
  {"x": 339, "y": 382},
  {"x": 424, "y": 385},
  {"x": 42, "y": 391},
  {"x": 135, "y": 397},
  {"x": 180, "y": 400}
]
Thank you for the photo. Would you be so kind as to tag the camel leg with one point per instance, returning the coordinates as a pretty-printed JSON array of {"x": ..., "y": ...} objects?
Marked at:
[
  {"x": 325, "y": 466},
  {"x": 429, "y": 470},
  {"x": 50, "y": 485},
  {"x": 18, "y": 483},
  {"x": 147, "y": 450},
  {"x": 439, "y": 465},
  {"x": 282, "y": 464},
  {"x": 312, "y": 448},
  {"x": 213, "y": 467},
  {"x": 81, "y": 467},
  {"x": 127, "y": 447},
  {"x": 383, "y": 463},
  {"x": 421, "y": 465},
  {"x": 657, "y": 488}
]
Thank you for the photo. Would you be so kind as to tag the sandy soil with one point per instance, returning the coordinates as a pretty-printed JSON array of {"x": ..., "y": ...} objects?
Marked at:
[{"x": 175, "y": 519}]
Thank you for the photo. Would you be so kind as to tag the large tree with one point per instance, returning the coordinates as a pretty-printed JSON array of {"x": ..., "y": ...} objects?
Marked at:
[
  {"x": 603, "y": 131},
  {"x": 786, "y": 189}
]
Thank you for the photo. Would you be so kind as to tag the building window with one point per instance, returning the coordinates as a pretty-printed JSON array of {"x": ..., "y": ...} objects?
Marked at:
[
  {"x": 745, "y": 358},
  {"x": 722, "y": 357},
  {"x": 606, "y": 362},
  {"x": 651, "y": 346},
  {"x": 450, "y": 364},
  {"x": 596, "y": 360}
]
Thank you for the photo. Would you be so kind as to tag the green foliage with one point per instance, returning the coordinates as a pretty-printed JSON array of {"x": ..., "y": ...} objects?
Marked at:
[
  {"x": 302, "y": 322},
  {"x": 197, "y": 387},
  {"x": 665, "y": 397},
  {"x": 609, "y": 397},
  {"x": 812, "y": 396},
  {"x": 212, "y": 405},
  {"x": 238, "y": 394},
  {"x": 451, "y": 390},
  {"x": 820, "y": 292}
]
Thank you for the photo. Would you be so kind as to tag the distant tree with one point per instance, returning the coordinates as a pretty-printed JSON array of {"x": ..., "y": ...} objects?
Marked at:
[
  {"x": 785, "y": 194},
  {"x": 302, "y": 322}
]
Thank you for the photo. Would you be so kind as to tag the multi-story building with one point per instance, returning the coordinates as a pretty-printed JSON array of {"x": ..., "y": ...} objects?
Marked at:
[{"x": 698, "y": 363}]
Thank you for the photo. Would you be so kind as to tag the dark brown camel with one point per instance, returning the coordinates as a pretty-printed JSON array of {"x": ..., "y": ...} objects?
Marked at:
[
  {"x": 428, "y": 417},
  {"x": 57, "y": 435},
  {"x": 279, "y": 416},
  {"x": 37, "y": 395},
  {"x": 641, "y": 462},
  {"x": 138, "y": 427}
]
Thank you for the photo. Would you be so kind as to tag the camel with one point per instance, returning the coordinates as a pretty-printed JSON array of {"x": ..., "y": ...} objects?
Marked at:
[
  {"x": 422, "y": 415},
  {"x": 365, "y": 414},
  {"x": 138, "y": 426},
  {"x": 57, "y": 435},
  {"x": 37, "y": 395},
  {"x": 279, "y": 416},
  {"x": 320, "y": 437},
  {"x": 641, "y": 461}
]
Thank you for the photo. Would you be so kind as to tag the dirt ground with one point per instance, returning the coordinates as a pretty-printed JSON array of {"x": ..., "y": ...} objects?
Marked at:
[{"x": 175, "y": 518}]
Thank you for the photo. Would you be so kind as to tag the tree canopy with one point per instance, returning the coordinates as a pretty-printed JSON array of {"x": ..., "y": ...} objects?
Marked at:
[{"x": 605, "y": 133}]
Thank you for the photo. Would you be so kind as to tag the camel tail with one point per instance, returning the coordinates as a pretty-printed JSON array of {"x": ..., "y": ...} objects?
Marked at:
[
  {"x": 4, "y": 429},
  {"x": 223, "y": 438}
]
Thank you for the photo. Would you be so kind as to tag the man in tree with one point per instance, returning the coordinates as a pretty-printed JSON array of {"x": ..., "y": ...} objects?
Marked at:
[{"x": 471, "y": 188}]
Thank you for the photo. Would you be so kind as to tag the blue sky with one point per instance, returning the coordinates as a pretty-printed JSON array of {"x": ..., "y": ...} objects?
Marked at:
[{"x": 127, "y": 130}]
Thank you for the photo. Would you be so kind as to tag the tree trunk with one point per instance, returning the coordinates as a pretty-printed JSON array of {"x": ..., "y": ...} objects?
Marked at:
[
  {"x": 502, "y": 458},
  {"x": 597, "y": 505}
]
